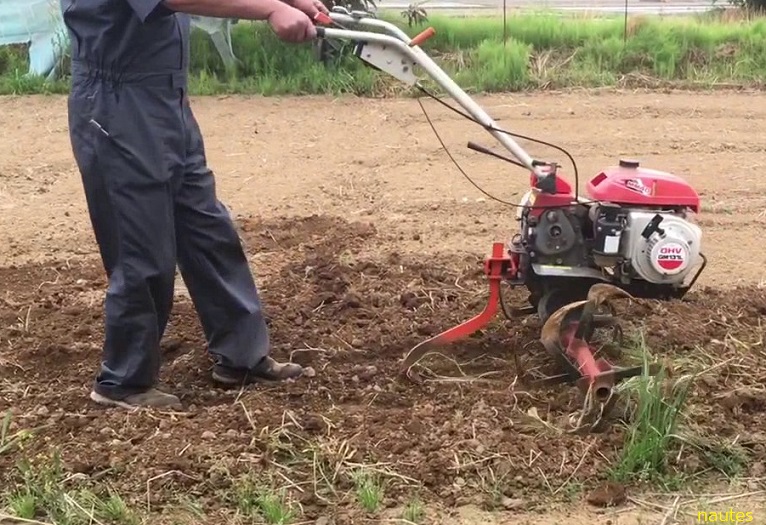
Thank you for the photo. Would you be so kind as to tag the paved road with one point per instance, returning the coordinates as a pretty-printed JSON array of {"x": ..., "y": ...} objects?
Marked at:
[{"x": 656, "y": 7}]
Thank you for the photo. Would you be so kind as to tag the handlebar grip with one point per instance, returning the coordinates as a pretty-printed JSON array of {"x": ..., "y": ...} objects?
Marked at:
[
  {"x": 422, "y": 37},
  {"x": 320, "y": 32}
]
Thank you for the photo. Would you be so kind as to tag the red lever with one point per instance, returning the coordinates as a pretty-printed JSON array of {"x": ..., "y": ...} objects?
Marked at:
[{"x": 322, "y": 18}]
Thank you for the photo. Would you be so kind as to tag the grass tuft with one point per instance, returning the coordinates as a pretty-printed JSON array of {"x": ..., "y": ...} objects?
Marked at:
[
  {"x": 43, "y": 494},
  {"x": 651, "y": 434},
  {"x": 414, "y": 512},
  {"x": 369, "y": 491},
  {"x": 255, "y": 501},
  {"x": 11, "y": 441}
]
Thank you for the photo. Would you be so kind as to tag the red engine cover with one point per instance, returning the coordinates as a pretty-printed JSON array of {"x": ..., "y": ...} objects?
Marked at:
[{"x": 629, "y": 184}]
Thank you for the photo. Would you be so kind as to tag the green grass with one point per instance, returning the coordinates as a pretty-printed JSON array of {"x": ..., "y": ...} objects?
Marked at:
[
  {"x": 414, "y": 512},
  {"x": 369, "y": 491},
  {"x": 43, "y": 494},
  {"x": 543, "y": 51},
  {"x": 665, "y": 446},
  {"x": 254, "y": 500},
  {"x": 11, "y": 441},
  {"x": 653, "y": 430}
]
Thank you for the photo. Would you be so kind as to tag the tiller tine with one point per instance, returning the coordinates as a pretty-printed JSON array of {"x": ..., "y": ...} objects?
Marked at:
[
  {"x": 566, "y": 337},
  {"x": 593, "y": 418},
  {"x": 494, "y": 267}
]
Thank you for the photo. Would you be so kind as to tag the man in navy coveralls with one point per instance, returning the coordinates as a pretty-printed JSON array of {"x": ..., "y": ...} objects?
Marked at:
[{"x": 151, "y": 196}]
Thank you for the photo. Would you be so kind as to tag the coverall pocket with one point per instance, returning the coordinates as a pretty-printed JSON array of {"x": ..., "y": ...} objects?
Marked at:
[{"x": 87, "y": 123}]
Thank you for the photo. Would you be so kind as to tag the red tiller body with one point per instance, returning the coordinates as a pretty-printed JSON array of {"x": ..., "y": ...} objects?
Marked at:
[
  {"x": 630, "y": 185},
  {"x": 626, "y": 184},
  {"x": 563, "y": 196},
  {"x": 564, "y": 243}
]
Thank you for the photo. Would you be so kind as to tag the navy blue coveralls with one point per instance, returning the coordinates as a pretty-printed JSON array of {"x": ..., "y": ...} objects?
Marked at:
[{"x": 151, "y": 196}]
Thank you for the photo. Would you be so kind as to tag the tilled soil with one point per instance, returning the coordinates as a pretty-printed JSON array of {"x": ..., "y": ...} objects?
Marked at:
[
  {"x": 351, "y": 320},
  {"x": 364, "y": 245}
]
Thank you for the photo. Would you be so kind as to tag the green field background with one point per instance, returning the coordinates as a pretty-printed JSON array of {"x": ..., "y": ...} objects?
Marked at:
[{"x": 542, "y": 50}]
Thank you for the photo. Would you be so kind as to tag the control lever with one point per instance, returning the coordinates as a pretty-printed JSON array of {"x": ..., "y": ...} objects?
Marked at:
[{"x": 487, "y": 151}]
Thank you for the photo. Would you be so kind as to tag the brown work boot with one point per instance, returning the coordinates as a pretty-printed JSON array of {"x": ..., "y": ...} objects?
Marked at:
[
  {"x": 152, "y": 398},
  {"x": 267, "y": 371}
]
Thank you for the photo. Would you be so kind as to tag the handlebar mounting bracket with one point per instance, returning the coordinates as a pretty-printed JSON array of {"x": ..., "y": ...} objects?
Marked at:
[{"x": 387, "y": 59}]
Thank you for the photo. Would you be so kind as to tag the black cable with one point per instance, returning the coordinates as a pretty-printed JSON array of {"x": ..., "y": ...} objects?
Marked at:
[
  {"x": 458, "y": 165},
  {"x": 499, "y": 130}
]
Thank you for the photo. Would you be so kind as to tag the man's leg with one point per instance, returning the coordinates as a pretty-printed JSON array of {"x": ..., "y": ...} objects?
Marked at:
[
  {"x": 131, "y": 209},
  {"x": 216, "y": 272}
]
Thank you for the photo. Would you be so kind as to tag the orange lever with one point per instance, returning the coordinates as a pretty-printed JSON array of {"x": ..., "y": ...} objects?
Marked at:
[
  {"x": 422, "y": 37},
  {"x": 322, "y": 18}
]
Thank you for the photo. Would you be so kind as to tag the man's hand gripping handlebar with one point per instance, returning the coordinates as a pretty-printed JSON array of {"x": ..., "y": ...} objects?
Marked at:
[{"x": 325, "y": 29}]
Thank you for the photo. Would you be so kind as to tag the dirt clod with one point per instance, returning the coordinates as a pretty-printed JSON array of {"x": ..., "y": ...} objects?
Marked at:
[
  {"x": 609, "y": 494},
  {"x": 512, "y": 503}
]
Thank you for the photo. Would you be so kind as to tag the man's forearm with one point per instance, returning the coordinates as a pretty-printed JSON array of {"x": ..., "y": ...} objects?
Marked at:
[{"x": 245, "y": 9}]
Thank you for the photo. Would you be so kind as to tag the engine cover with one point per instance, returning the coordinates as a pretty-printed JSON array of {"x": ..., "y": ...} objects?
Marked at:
[
  {"x": 630, "y": 185},
  {"x": 662, "y": 247}
]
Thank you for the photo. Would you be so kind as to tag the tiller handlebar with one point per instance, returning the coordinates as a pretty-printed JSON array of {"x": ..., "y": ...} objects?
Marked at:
[{"x": 396, "y": 53}]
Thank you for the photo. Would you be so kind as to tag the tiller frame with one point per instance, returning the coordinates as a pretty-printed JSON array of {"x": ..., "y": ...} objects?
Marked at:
[{"x": 567, "y": 332}]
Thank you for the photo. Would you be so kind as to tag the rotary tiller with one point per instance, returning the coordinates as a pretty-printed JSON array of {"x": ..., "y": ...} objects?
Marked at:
[{"x": 632, "y": 237}]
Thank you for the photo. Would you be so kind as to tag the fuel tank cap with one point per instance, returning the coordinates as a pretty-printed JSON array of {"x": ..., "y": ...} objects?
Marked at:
[{"x": 629, "y": 163}]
